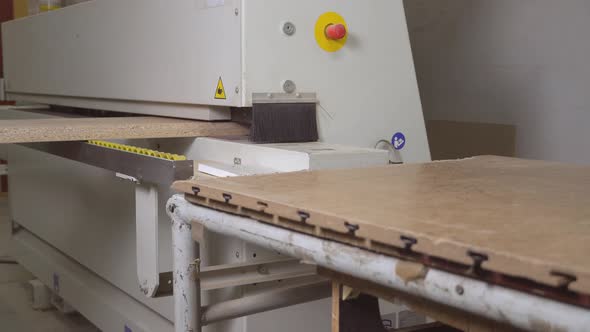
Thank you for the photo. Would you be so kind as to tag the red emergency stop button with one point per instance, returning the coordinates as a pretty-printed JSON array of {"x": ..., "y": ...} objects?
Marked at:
[
  {"x": 336, "y": 31},
  {"x": 331, "y": 32}
]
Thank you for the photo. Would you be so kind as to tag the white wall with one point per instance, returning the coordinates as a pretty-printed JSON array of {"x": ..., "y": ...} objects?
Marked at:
[{"x": 520, "y": 62}]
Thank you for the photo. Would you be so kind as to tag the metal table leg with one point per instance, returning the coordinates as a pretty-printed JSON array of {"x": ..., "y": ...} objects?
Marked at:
[{"x": 187, "y": 290}]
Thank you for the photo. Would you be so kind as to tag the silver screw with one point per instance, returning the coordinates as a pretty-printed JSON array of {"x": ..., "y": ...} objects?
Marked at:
[
  {"x": 237, "y": 161},
  {"x": 289, "y": 86},
  {"x": 289, "y": 28},
  {"x": 237, "y": 12},
  {"x": 237, "y": 254},
  {"x": 237, "y": 89},
  {"x": 459, "y": 289}
]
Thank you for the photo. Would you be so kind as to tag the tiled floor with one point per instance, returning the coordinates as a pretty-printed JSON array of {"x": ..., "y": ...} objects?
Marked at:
[{"x": 16, "y": 314}]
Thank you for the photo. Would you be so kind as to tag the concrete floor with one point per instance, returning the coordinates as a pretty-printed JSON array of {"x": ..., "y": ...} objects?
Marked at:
[{"x": 16, "y": 313}]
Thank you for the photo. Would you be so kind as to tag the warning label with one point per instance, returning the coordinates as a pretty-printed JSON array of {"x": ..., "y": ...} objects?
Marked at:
[{"x": 220, "y": 90}]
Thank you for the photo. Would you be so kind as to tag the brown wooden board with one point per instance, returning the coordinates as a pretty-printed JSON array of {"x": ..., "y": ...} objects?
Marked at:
[
  {"x": 79, "y": 129},
  {"x": 469, "y": 139},
  {"x": 360, "y": 313},
  {"x": 531, "y": 218}
]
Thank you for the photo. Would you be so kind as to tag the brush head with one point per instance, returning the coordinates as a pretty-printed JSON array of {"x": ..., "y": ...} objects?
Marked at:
[{"x": 284, "y": 123}]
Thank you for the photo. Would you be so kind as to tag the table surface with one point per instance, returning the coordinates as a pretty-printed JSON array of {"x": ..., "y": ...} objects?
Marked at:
[{"x": 530, "y": 218}]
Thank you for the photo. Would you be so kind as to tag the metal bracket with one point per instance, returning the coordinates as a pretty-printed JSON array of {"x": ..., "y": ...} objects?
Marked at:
[
  {"x": 478, "y": 260},
  {"x": 140, "y": 167},
  {"x": 409, "y": 242},
  {"x": 127, "y": 178},
  {"x": 284, "y": 98},
  {"x": 146, "y": 229}
]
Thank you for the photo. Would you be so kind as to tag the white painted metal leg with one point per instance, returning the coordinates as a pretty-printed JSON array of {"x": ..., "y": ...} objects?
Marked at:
[
  {"x": 187, "y": 293},
  {"x": 146, "y": 225}
]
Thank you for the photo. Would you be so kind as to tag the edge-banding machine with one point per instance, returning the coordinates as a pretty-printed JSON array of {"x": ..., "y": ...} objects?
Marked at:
[
  {"x": 98, "y": 235},
  {"x": 325, "y": 85}
]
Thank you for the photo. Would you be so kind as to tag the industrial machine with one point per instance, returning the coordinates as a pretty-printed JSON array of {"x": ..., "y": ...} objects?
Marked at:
[{"x": 92, "y": 225}]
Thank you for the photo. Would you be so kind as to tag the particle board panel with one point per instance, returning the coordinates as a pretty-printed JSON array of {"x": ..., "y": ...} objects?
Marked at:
[
  {"x": 530, "y": 218},
  {"x": 78, "y": 129}
]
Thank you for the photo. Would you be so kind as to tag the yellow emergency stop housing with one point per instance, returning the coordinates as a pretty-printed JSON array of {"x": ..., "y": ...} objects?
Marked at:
[{"x": 327, "y": 44}]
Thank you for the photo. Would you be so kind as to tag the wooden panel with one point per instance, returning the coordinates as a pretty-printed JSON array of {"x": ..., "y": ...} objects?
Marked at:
[
  {"x": 360, "y": 313},
  {"x": 79, "y": 129},
  {"x": 336, "y": 292},
  {"x": 20, "y": 8},
  {"x": 531, "y": 218}
]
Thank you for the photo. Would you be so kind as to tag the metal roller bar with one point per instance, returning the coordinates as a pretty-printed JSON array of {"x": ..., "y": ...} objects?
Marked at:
[
  {"x": 267, "y": 301},
  {"x": 141, "y": 167},
  {"x": 233, "y": 275},
  {"x": 216, "y": 277}
]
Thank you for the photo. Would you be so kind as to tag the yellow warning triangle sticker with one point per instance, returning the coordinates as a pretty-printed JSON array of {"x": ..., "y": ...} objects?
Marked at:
[{"x": 220, "y": 91}]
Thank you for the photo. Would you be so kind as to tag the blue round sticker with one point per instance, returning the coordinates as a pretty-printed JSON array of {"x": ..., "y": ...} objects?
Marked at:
[{"x": 398, "y": 141}]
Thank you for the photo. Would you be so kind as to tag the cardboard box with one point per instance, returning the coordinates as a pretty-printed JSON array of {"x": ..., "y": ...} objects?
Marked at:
[{"x": 456, "y": 140}]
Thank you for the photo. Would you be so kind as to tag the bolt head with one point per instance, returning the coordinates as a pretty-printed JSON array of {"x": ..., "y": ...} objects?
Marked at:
[
  {"x": 289, "y": 29},
  {"x": 460, "y": 290},
  {"x": 289, "y": 86}
]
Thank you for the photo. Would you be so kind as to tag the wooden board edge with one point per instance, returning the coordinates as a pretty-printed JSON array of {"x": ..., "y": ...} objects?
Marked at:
[{"x": 337, "y": 229}]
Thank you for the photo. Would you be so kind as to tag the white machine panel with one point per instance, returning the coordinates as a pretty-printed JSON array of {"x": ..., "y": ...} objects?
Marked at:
[
  {"x": 128, "y": 55},
  {"x": 367, "y": 90},
  {"x": 281, "y": 158},
  {"x": 166, "y": 58}
]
